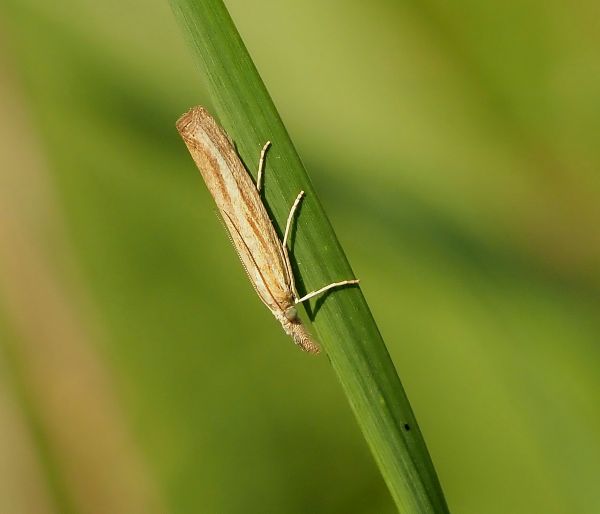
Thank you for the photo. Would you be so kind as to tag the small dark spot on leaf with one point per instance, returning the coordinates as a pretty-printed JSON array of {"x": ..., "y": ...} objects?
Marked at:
[{"x": 406, "y": 427}]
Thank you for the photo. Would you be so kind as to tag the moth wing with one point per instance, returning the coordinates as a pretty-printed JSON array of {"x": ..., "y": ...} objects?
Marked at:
[
  {"x": 263, "y": 261},
  {"x": 240, "y": 205}
]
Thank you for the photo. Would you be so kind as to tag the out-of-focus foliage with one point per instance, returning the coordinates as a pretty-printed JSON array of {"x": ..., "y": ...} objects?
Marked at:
[{"x": 455, "y": 146}]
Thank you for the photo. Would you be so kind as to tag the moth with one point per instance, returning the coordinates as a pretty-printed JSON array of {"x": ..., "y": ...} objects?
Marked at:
[{"x": 265, "y": 258}]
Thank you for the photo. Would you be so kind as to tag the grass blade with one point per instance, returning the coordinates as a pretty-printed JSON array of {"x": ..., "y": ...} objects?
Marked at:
[{"x": 342, "y": 320}]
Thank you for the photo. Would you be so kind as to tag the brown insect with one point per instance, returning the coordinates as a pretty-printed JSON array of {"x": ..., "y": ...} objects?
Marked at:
[{"x": 265, "y": 258}]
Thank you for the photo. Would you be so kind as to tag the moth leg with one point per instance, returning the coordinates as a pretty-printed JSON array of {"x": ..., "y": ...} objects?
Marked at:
[
  {"x": 290, "y": 272},
  {"x": 312, "y": 294},
  {"x": 325, "y": 288},
  {"x": 288, "y": 225},
  {"x": 261, "y": 165},
  {"x": 286, "y": 253}
]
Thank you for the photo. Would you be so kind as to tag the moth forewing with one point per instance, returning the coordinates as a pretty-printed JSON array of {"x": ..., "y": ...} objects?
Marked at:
[
  {"x": 273, "y": 295},
  {"x": 239, "y": 204},
  {"x": 243, "y": 212},
  {"x": 264, "y": 257}
]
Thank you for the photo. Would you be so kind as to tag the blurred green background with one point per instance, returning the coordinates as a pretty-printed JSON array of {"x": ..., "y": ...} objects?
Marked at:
[{"x": 456, "y": 149}]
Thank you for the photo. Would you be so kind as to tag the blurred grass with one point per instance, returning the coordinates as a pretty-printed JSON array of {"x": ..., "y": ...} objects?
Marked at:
[{"x": 485, "y": 279}]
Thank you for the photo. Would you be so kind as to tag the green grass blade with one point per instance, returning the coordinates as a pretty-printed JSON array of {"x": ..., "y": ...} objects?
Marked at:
[{"x": 342, "y": 320}]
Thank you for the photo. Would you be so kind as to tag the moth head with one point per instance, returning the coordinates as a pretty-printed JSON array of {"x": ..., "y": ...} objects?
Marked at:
[{"x": 291, "y": 314}]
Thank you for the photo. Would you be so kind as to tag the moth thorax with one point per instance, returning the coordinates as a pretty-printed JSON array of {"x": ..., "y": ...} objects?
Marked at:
[{"x": 291, "y": 314}]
